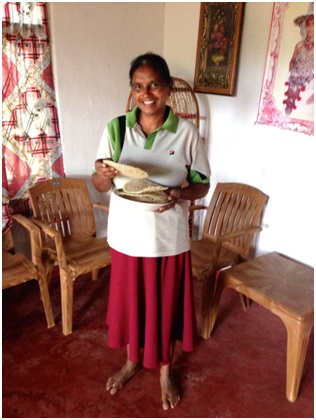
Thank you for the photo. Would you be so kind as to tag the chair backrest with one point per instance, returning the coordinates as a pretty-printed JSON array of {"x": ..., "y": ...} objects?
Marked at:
[
  {"x": 234, "y": 207},
  {"x": 64, "y": 203},
  {"x": 182, "y": 100}
]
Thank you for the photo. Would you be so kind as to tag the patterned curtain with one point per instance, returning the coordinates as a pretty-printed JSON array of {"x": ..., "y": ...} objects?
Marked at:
[{"x": 31, "y": 145}]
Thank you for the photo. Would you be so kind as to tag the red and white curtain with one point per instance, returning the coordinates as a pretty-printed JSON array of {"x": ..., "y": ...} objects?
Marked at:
[{"x": 31, "y": 144}]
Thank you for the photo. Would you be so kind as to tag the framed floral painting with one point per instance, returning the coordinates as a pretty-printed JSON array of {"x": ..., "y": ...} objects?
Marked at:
[
  {"x": 218, "y": 47},
  {"x": 287, "y": 93}
]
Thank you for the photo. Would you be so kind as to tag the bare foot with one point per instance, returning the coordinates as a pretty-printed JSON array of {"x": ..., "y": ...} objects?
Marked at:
[
  {"x": 169, "y": 393},
  {"x": 119, "y": 379}
]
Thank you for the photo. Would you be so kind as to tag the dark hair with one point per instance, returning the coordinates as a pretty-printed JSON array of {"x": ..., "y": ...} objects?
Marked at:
[{"x": 154, "y": 61}]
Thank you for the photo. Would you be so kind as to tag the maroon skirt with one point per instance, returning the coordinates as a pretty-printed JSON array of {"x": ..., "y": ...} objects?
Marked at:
[{"x": 151, "y": 304}]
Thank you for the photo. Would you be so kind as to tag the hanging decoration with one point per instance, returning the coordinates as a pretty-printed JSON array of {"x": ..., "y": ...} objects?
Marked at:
[{"x": 31, "y": 144}]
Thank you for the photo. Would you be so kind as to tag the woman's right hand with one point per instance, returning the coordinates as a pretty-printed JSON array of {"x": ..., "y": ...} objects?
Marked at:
[
  {"x": 103, "y": 170},
  {"x": 102, "y": 179}
]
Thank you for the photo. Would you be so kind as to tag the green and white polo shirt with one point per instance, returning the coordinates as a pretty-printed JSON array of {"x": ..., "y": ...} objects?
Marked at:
[{"x": 172, "y": 154}]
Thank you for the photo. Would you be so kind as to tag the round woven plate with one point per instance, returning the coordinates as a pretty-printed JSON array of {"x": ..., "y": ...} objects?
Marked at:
[
  {"x": 150, "y": 202},
  {"x": 142, "y": 186}
]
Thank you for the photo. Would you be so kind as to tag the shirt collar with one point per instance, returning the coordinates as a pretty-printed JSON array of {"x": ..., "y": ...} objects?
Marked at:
[{"x": 171, "y": 123}]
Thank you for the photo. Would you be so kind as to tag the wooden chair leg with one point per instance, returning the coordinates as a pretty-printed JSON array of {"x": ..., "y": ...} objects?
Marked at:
[
  {"x": 208, "y": 288},
  {"x": 46, "y": 302},
  {"x": 245, "y": 301},
  {"x": 66, "y": 288},
  {"x": 216, "y": 300},
  {"x": 95, "y": 275},
  {"x": 48, "y": 267}
]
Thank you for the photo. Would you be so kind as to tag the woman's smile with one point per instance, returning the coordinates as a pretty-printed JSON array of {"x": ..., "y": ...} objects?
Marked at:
[{"x": 149, "y": 102}]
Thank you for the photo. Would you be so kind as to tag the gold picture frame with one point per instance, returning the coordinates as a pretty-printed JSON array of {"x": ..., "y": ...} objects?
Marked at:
[{"x": 218, "y": 47}]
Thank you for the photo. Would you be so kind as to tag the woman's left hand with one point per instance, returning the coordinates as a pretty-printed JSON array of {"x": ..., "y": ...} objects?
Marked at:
[
  {"x": 191, "y": 192},
  {"x": 174, "y": 195}
]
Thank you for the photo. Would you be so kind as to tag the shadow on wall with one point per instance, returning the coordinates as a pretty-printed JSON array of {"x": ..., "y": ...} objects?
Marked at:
[{"x": 205, "y": 120}]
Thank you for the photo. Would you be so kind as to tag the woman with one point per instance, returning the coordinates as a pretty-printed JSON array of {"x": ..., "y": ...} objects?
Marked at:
[
  {"x": 301, "y": 65},
  {"x": 151, "y": 298}
]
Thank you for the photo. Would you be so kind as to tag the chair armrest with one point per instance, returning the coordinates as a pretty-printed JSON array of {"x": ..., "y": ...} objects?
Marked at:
[
  {"x": 232, "y": 235},
  {"x": 48, "y": 230},
  {"x": 53, "y": 233},
  {"x": 197, "y": 207},
  {"x": 35, "y": 237},
  {"x": 101, "y": 206},
  {"x": 25, "y": 222}
]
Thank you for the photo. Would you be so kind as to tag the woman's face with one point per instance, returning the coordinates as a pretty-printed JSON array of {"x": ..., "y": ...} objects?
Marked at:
[
  {"x": 310, "y": 27},
  {"x": 149, "y": 90}
]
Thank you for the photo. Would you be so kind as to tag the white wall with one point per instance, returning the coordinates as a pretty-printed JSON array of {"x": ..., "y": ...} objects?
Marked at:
[
  {"x": 93, "y": 44},
  {"x": 279, "y": 162}
]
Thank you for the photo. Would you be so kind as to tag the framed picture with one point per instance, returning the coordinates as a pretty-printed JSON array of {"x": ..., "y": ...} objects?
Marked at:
[
  {"x": 287, "y": 93},
  {"x": 218, "y": 47}
]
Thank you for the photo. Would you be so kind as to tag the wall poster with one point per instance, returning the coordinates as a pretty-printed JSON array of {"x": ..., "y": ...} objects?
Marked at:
[{"x": 287, "y": 94}]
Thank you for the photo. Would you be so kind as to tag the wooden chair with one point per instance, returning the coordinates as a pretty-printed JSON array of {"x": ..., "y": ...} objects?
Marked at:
[
  {"x": 63, "y": 210},
  {"x": 232, "y": 218},
  {"x": 17, "y": 268},
  {"x": 184, "y": 104}
]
